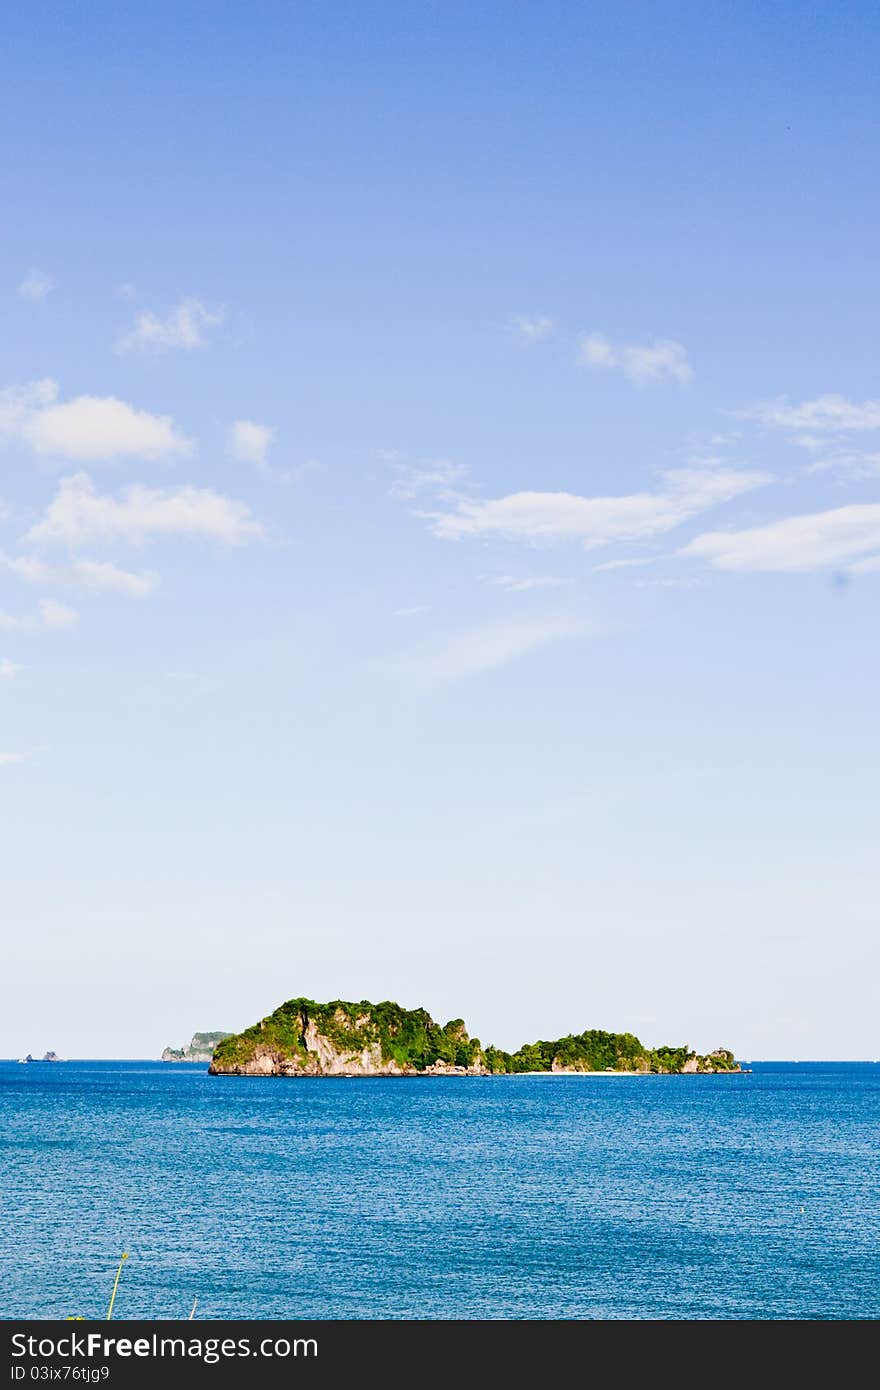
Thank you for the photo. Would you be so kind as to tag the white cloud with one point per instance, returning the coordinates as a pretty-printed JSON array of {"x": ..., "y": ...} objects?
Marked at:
[
  {"x": 820, "y": 540},
  {"x": 512, "y": 585},
  {"x": 249, "y": 442},
  {"x": 99, "y": 428},
  {"x": 854, "y": 465},
  {"x": 556, "y": 516},
  {"x": 596, "y": 351},
  {"x": 55, "y": 614},
  {"x": 813, "y": 442},
  {"x": 6, "y": 759},
  {"x": 186, "y": 326},
  {"x": 9, "y": 670},
  {"x": 826, "y": 414},
  {"x": 664, "y": 359},
  {"x": 531, "y": 328},
  {"x": 101, "y": 576},
  {"x": 454, "y": 656},
  {"x": 35, "y": 286},
  {"x": 411, "y": 612},
  {"x": 78, "y": 514},
  {"x": 869, "y": 566},
  {"x": 92, "y": 576},
  {"x": 623, "y": 564},
  {"x": 10, "y": 622},
  {"x": 94, "y": 429},
  {"x": 50, "y": 614},
  {"x": 433, "y": 475},
  {"x": 17, "y": 403}
]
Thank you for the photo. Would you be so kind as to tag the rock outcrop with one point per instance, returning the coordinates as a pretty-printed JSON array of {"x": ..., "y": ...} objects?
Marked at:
[
  {"x": 304, "y": 1038},
  {"x": 719, "y": 1060},
  {"x": 200, "y": 1049}
]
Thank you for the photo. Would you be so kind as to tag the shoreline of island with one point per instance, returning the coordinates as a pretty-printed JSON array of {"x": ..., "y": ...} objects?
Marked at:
[{"x": 464, "y": 1075}]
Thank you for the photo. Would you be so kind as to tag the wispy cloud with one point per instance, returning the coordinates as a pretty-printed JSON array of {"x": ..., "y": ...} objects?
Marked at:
[
  {"x": 19, "y": 403},
  {"x": 50, "y": 614},
  {"x": 842, "y": 537},
  {"x": 869, "y": 566},
  {"x": 594, "y": 521},
  {"x": 55, "y": 614},
  {"x": 824, "y": 414},
  {"x": 851, "y": 463},
  {"x": 513, "y": 585},
  {"x": 412, "y": 612},
  {"x": 186, "y": 327},
  {"x": 643, "y": 363},
  {"x": 623, "y": 564},
  {"x": 7, "y": 759},
  {"x": 9, "y": 669},
  {"x": 93, "y": 429},
  {"x": 451, "y": 657},
  {"x": 250, "y": 442},
  {"x": 531, "y": 328},
  {"x": 90, "y": 576},
  {"x": 36, "y": 286},
  {"x": 78, "y": 515},
  {"x": 439, "y": 476}
]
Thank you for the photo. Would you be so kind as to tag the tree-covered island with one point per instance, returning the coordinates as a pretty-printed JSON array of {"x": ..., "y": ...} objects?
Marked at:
[{"x": 305, "y": 1038}]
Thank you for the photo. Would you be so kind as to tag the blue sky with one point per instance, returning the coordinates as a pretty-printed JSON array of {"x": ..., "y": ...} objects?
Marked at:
[{"x": 440, "y": 528}]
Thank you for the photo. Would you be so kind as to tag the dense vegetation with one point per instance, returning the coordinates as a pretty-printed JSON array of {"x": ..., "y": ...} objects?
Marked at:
[
  {"x": 599, "y": 1051},
  {"x": 591, "y": 1051},
  {"x": 411, "y": 1039}
]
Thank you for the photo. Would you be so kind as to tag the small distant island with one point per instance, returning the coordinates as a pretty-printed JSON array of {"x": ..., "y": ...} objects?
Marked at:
[
  {"x": 46, "y": 1057},
  {"x": 305, "y": 1038},
  {"x": 200, "y": 1048}
]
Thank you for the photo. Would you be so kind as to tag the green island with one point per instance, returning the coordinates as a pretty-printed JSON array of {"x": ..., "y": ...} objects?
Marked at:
[{"x": 305, "y": 1038}]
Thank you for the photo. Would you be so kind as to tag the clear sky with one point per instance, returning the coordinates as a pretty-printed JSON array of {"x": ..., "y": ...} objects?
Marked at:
[{"x": 440, "y": 528}]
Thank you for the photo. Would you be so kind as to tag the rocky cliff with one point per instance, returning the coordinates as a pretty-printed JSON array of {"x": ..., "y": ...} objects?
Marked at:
[
  {"x": 305, "y": 1038},
  {"x": 200, "y": 1049}
]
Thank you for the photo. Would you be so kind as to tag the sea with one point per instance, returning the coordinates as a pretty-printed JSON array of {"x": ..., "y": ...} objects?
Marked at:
[{"x": 528, "y": 1197}]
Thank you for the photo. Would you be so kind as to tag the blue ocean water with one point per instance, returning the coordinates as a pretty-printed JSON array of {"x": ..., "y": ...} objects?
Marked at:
[{"x": 753, "y": 1196}]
